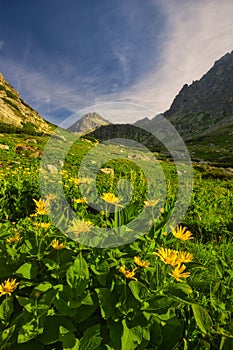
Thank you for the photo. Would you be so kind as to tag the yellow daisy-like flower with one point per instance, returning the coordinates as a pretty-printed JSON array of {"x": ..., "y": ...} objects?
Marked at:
[
  {"x": 56, "y": 245},
  {"x": 74, "y": 180},
  {"x": 140, "y": 262},
  {"x": 43, "y": 225},
  {"x": 179, "y": 273},
  {"x": 80, "y": 200},
  {"x": 41, "y": 207},
  {"x": 184, "y": 257},
  {"x": 151, "y": 203},
  {"x": 128, "y": 273},
  {"x": 110, "y": 198},
  {"x": 14, "y": 238},
  {"x": 168, "y": 256},
  {"x": 8, "y": 286},
  {"x": 80, "y": 226},
  {"x": 182, "y": 233}
]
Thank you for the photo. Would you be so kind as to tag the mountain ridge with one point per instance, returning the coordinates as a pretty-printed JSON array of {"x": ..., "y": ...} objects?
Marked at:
[
  {"x": 15, "y": 112},
  {"x": 88, "y": 123}
]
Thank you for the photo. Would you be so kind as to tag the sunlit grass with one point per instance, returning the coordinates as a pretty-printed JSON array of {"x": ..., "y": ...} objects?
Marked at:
[{"x": 57, "y": 293}]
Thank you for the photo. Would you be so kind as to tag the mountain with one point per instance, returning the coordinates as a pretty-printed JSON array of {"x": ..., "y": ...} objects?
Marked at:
[
  {"x": 16, "y": 114},
  {"x": 206, "y": 104},
  {"x": 88, "y": 123},
  {"x": 202, "y": 113}
]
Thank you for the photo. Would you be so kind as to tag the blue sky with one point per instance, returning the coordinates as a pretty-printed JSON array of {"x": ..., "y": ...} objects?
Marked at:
[{"x": 63, "y": 56}]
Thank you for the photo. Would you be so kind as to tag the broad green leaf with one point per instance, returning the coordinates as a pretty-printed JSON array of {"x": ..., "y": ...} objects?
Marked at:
[
  {"x": 28, "y": 331},
  {"x": 50, "y": 264},
  {"x": 63, "y": 307},
  {"x": 48, "y": 297},
  {"x": 139, "y": 290},
  {"x": 131, "y": 337},
  {"x": 105, "y": 302},
  {"x": 155, "y": 332},
  {"x": 101, "y": 268},
  {"x": 77, "y": 275},
  {"x": 27, "y": 303},
  {"x": 6, "y": 309},
  {"x": 160, "y": 304},
  {"x": 43, "y": 287},
  {"x": 51, "y": 331},
  {"x": 7, "y": 334},
  {"x": 68, "y": 339},
  {"x": 87, "y": 299},
  {"x": 28, "y": 270},
  {"x": 94, "y": 330},
  {"x": 115, "y": 331},
  {"x": 172, "y": 333},
  {"x": 202, "y": 318},
  {"x": 90, "y": 343},
  {"x": 85, "y": 311},
  {"x": 91, "y": 338},
  {"x": 180, "y": 290}
]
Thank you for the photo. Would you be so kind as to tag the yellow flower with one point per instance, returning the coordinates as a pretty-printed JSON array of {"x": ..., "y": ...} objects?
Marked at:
[
  {"x": 168, "y": 256},
  {"x": 81, "y": 180},
  {"x": 127, "y": 273},
  {"x": 81, "y": 226},
  {"x": 55, "y": 244},
  {"x": 74, "y": 180},
  {"x": 161, "y": 210},
  {"x": 181, "y": 233},
  {"x": 8, "y": 286},
  {"x": 45, "y": 225},
  {"x": 151, "y": 203},
  {"x": 184, "y": 257},
  {"x": 80, "y": 200},
  {"x": 140, "y": 262},
  {"x": 178, "y": 273},
  {"x": 41, "y": 225},
  {"x": 41, "y": 207},
  {"x": 14, "y": 238},
  {"x": 110, "y": 198}
]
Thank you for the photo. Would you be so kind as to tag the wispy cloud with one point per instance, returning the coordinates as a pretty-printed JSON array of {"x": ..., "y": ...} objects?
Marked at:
[
  {"x": 197, "y": 34},
  {"x": 191, "y": 36}
]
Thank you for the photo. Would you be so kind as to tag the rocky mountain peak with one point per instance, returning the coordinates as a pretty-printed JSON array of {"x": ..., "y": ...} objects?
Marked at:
[
  {"x": 88, "y": 122},
  {"x": 213, "y": 93}
]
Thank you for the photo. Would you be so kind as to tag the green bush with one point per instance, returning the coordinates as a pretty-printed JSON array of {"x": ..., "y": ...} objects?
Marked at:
[{"x": 10, "y": 94}]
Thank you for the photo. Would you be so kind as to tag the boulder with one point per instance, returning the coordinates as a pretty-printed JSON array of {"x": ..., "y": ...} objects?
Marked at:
[{"x": 5, "y": 147}]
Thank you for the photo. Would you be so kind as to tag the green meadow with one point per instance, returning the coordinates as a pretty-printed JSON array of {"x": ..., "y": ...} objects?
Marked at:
[{"x": 169, "y": 288}]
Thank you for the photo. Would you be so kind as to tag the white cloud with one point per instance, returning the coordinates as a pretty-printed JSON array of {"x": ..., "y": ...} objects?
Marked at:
[{"x": 198, "y": 33}]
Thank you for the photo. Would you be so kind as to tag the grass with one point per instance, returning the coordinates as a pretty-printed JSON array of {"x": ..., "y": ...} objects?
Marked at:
[{"x": 74, "y": 296}]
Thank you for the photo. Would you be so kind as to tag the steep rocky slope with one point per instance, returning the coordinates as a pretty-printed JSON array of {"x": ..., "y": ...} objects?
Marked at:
[{"x": 15, "y": 112}]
